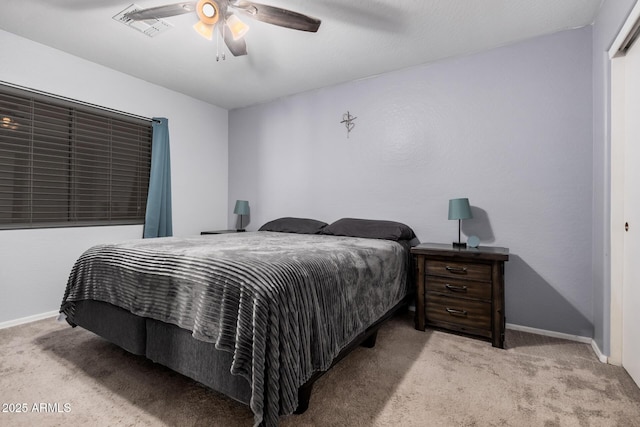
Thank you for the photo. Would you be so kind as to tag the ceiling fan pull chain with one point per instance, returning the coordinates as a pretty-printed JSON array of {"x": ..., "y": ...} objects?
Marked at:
[
  {"x": 217, "y": 47},
  {"x": 223, "y": 30}
]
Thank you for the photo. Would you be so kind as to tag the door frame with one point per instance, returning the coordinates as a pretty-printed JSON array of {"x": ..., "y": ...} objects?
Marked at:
[{"x": 616, "y": 222}]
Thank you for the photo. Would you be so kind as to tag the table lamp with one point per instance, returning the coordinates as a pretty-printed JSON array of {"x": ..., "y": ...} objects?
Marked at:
[
  {"x": 242, "y": 209},
  {"x": 459, "y": 209}
]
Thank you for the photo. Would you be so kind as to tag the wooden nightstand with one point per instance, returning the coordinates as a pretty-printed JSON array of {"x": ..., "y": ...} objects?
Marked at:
[
  {"x": 218, "y": 232},
  {"x": 461, "y": 289}
]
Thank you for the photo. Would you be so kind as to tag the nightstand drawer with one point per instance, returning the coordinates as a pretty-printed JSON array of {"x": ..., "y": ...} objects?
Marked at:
[
  {"x": 459, "y": 288},
  {"x": 474, "y": 314},
  {"x": 457, "y": 269}
]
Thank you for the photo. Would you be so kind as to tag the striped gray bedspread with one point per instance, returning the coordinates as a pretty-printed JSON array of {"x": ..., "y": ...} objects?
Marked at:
[{"x": 283, "y": 304}]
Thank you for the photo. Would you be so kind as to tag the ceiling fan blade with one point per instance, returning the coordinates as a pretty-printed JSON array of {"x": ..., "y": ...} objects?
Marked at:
[
  {"x": 236, "y": 47},
  {"x": 162, "y": 11},
  {"x": 276, "y": 15}
]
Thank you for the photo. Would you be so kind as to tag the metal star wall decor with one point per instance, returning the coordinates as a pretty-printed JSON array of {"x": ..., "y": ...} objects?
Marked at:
[{"x": 348, "y": 119}]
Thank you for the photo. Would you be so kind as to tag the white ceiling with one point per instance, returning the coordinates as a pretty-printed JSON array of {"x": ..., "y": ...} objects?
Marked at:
[{"x": 357, "y": 39}]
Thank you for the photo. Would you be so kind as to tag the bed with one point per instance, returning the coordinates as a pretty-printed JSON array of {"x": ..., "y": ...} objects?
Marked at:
[{"x": 258, "y": 316}]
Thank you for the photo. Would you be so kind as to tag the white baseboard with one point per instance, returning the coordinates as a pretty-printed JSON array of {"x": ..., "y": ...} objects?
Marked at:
[
  {"x": 28, "y": 319},
  {"x": 585, "y": 340},
  {"x": 553, "y": 334},
  {"x": 603, "y": 358}
]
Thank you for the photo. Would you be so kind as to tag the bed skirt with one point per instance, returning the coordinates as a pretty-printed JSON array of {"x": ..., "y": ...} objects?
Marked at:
[
  {"x": 165, "y": 344},
  {"x": 175, "y": 348}
]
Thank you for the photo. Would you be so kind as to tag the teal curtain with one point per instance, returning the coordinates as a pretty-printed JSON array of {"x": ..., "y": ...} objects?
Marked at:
[{"x": 158, "y": 222}]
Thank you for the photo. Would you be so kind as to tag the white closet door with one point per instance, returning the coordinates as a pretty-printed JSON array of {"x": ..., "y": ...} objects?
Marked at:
[{"x": 631, "y": 282}]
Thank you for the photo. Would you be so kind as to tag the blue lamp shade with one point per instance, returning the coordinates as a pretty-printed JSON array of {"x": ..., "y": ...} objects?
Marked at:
[
  {"x": 242, "y": 207},
  {"x": 459, "y": 209}
]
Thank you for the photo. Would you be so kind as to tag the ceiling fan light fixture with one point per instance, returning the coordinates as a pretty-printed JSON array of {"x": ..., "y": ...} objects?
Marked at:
[
  {"x": 205, "y": 30},
  {"x": 237, "y": 27},
  {"x": 208, "y": 11}
]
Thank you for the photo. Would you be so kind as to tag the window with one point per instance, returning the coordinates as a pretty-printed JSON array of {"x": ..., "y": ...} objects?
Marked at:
[{"x": 66, "y": 164}]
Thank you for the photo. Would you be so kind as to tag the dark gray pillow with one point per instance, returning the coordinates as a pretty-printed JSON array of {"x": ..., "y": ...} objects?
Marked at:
[
  {"x": 370, "y": 228},
  {"x": 294, "y": 225}
]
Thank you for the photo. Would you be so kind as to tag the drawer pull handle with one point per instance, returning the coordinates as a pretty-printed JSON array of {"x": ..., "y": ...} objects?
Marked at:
[
  {"x": 456, "y": 288},
  {"x": 454, "y": 312},
  {"x": 456, "y": 270}
]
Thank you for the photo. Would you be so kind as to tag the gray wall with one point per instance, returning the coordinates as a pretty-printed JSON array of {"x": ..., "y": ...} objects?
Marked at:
[
  {"x": 510, "y": 128},
  {"x": 612, "y": 15}
]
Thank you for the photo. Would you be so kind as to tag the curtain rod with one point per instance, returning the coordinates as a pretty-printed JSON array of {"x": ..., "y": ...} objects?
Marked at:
[{"x": 86, "y": 104}]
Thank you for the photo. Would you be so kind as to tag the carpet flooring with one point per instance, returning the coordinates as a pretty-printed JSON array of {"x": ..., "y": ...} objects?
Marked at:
[{"x": 61, "y": 376}]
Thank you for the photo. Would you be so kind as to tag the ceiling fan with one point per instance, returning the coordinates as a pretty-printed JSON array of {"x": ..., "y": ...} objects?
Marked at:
[{"x": 221, "y": 14}]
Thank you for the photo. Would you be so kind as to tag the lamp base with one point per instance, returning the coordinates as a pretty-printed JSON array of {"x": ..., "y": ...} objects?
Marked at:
[{"x": 459, "y": 245}]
